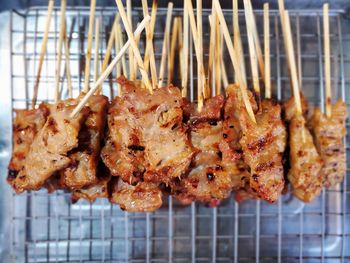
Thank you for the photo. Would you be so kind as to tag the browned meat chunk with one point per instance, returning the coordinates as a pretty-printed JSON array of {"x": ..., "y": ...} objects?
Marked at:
[
  {"x": 305, "y": 162},
  {"x": 263, "y": 144},
  {"x": 84, "y": 159},
  {"x": 143, "y": 197},
  {"x": 329, "y": 134},
  {"x": 26, "y": 125},
  {"x": 48, "y": 152},
  {"x": 91, "y": 192},
  {"x": 147, "y": 139},
  {"x": 208, "y": 181}
]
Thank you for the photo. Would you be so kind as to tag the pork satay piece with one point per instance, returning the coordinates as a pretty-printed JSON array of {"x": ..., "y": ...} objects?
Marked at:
[
  {"x": 123, "y": 153},
  {"x": 82, "y": 170},
  {"x": 289, "y": 107},
  {"x": 329, "y": 134},
  {"x": 48, "y": 152},
  {"x": 208, "y": 181},
  {"x": 167, "y": 147},
  {"x": 143, "y": 197},
  {"x": 26, "y": 125},
  {"x": 306, "y": 164}
]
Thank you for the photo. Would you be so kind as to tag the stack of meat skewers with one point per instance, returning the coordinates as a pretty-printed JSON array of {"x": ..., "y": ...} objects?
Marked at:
[{"x": 150, "y": 141}]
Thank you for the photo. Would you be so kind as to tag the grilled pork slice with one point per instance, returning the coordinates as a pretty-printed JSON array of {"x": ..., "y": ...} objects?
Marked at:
[
  {"x": 26, "y": 125},
  {"x": 123, "y": 153},
  {"x": 305, "y": 162},
  {"x": 147, "y": 138},
  {"x": 329, "y": 134},
  {"x": 263, "y": 144},
  {"x": 48, "y": 152},
  {"x": 84, "y": 159},
  {"x": 143, "y": 197},
  {"x": 208, "y": 181}
]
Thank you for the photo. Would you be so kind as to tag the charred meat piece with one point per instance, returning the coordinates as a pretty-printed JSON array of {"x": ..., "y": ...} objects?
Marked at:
[
  {"x": 263, "y": 144},
  {"x": 123, "y": 152},
  {"x": 82, "y": 169},
  {"x": 143, "y": 197},
  {"x": 305, "y": 162},
  {"x": 26, "y": 125},
  {"x": 91, "y": 192},
  {"x": 208, "y": 181},
  {"x": 329, "y": 134},
  {"x": 48, "y": 152},
  {"x": 148, "y": 135}
]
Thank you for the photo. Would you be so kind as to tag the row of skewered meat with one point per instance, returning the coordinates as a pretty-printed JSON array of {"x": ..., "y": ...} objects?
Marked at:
[{"x": 143, "y": 146}]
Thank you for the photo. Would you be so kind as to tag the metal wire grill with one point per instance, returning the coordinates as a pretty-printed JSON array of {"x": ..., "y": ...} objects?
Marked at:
[{"x": 48, "y": 228}]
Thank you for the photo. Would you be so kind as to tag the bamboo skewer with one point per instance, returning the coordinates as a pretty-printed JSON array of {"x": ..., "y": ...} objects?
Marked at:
[
  {"x": 137, "y": 41},
  {"x": 117, "y": 47},
  {"x": 211, "y": 49},
  {"x": 131, "y": 53},
  {"x": 327, "y": 60},
  {"x": 134, "y": 46},
  {"x": 218, "y": 54},
  {"x": 237, "y": 41},
  {"x": 234, "y": 61},
  {"x": 96, "y": 55},
  {"x": 256, "y": 40},
  {"x": 121, "y": 43},
  {"x": 149, "y": 46},
  {"x": 165, "y": 47},
  {"x": 110, "y": 67},
  {"x": 67, "y": 60},
  {"x": 180, "y": 46},
  {"x": 60, "y": 45},
  {"x": 200, "y": 69},
  {"x": 252, "y": 50},
  {"x": 173, "y": 50},
  {"x": 196, "y": 47},
  {"x": 42, "y": 51},
  {"x": 292, "y": 63},
  {"x": 267, "y": 52},
  {"x": 184, "y": 78},
  {"x": 223, "y": 68},
  {"x": 89, "y": 45},
  {"x": 107, "y": 54}
]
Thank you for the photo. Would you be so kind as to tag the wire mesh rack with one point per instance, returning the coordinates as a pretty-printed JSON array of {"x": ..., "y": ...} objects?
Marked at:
[{"x": 49, "y": 228}]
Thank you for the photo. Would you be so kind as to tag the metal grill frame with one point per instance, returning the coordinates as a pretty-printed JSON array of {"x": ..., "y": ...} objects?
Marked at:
[{"x": 41, "y": 231}]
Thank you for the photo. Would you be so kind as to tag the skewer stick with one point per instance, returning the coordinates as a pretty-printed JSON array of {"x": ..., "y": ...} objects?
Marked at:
[
  {"x": 292, "y": 63},
  {"x": 234, "y": 60},
  {"x": 89, "y": 45},
  {"x": 137, "y": 40},
  {"x": 117, "y": 47},
  {"x": 131, "y": 53},
  {"x": 185, "y": 53},
  {"x": 258, "y": 50},
  {"x": 327, "y": 60},
  {"x": 109, "y": 47},
  {"x": 134, "y": 46},
  {"x": 67, "y": 60},
  {"x": 110, "y": 67},
  {"x": 173, "y": 50},
  {"x": 218, "y": 53},
  {"x": 223, "y": 68},
  {"x": 121, "y": 43},
  {"x": 283, "y": 24},
  {"x": 180, "y": 46},
  {"x": 252, "y": 50},
  {"x": 267, "y": 52},
  {"x": 149, "y": 46},
  {"x": 42, "y": 52},
  {"x": 96, "y": 55},
  {"x": 200, "y": 70},
  {"x": 196, "y": 47},
  {"x": 165, "y": 47},
  {"x": 211, "y": 48},
  {"x": 237, "y": 41},
  {"x": 60, "y": 44}
]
